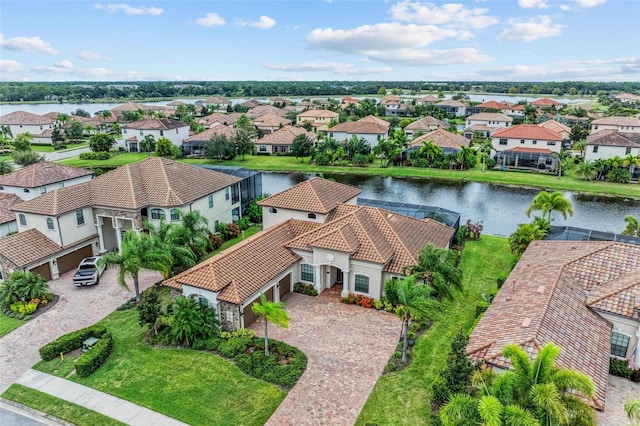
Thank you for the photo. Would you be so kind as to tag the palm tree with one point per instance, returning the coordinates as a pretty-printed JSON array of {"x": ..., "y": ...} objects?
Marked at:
[
  {"x": 532, "y": 393},
  {"x": 436, "y": 267},
  {"x": 550, "y": 202},
  {"x": 563, "y": 160},
  {"x": 274, "y": 312},
  {"x": 464, "y": 156},
  {"x": 484, "y": 147},
  {"x": 632, "y": 409},
  {"x": 148, "y": 144},
  {"x": 586, "y": 170},
  {"x": 414, "y": 301},
  {"x": 194, "y": 232},
  {"x": 139, "y": 251},
  {"x": 615, "y": 162},
  {"x": 633, "y": 226},
  {"x": 631, "y": 161},
  {"x": 580, "y": 146},
  {"x": 430, "y": 150},
  {"x": 63, "y": 119},
  {"x": 522, "y": 237}
]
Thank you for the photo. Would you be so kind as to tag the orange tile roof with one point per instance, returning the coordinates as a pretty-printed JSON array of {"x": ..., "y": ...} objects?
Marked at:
[
  {"x": 358, "y": 127},
  {"x": 428, "y": 99},
  {"x": 285, "y": 136},
  {"x": 375, "y": 120},
  {"x": 24, "y": 118},
  {"x": 443, "y": 139},
  {"x": 315, "y": 195},
  {"x": 546, "y": 102},
  {"x": 41, "y": 174},
  {"x": 555, "y": 126},
  {"x": 218, "y": 117},
  {"x": 25, "y": 248},
  {"x": 493, "y": 105},
  {"x": 155, "y": 124},
  {"x": 527, "y": 131},
  {"x": 207, "y": 134},
  {"x": 6, "y": 202}
]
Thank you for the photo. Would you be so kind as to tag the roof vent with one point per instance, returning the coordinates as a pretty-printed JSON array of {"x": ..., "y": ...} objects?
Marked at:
[
  {"x": 540, "y": 290},
  {"x": 526, "y": 322}
]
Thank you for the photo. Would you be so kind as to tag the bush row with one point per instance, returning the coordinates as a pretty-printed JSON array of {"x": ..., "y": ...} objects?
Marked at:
[
  {"x": 70, "y": 341},
  {"x": 307, "y": 289},
  {"x": 93, "y": 359},
  {"x": 620, "y": 368},
  {"x": 95, "y": 155}
]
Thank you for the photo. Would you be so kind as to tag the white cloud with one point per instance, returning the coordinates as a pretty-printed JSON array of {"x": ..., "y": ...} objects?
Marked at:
[
  {"x": 565, "y": 7},
  {"x": 27, "y": 44},
  {"x": 88, "y": 55},
  {"x": 533, "y": 4},
  {"x": 129, "y": 10},
  {"x": 10, "y": 66},
  {"x": 64, "y": 66},
  {"x": 532, "y": 29},
  {"x": 422, "y": 57},
  {"x": 264, "y": 23},
  {"x": 210, "y": 20},
  {"x": 339, "y": 68},
  {"x": 453, "y": 14},
  {"x": 589, "y": 3}
]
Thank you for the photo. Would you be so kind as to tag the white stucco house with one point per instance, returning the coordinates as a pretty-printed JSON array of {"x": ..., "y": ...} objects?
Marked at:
[
  {"x": 319, "y": 118},
  {"x": 370, "y": 132},
  {"x": 38, "y": 126},
  {"x": 606, "y": 144},
  {"x": 485, "y": 123},
  {"x": 621, "y": 124},
  {"x": 134, "y": 133},
  {"x": 39, "y": 178},
  {"x": 8, "y": 224},
  {"x": 526, "y": 136}
]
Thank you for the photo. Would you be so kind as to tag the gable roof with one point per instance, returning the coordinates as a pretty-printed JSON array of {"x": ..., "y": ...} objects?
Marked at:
[
  {"x": 131, "y": 106},
  {"x": 25, "y": 248},
  {"x": 527, "y": 131},
  {"x": 270, "y": 120},
  {"x": 493, "y": 105},
  {"x": 155, "y": 124},
  {"x": 427, "y": 123},
  {"x": 316, "y": 195},
  {"x": 611, "y": 137},
  {"x": 218, "y": 117},
  {"x": 207, "y": 134},
  {"x": 6, "y": 202},
  {"x": 451, "y": 103},
  {"x": 443, "y": 139},
  {"x": 319, "y": 113},
  {"x": 375, "y": 120},
  {"x": 285, "y": 136},
  {"x": 151, "y": 182},
  {"x": 24, "y": 118},
  {"x": 555, "y": 126},
  {"x": 41, "y": 174},
  {"x": 428, "y": 99},
  {"x": 490, "y": 116},
  {"x": 216, "y": 100},
  {"x": 546, "y": 102},
  {"x": 359, "y": 127},
  {"x": 259, "y": 110},
  {"x": 617, "y": 121}
]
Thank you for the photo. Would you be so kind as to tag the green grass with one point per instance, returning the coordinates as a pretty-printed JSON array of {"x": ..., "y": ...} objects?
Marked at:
[
  {"x": 57, "y": 407},
  {"x": 404, "y": 397},
  {"x": 192, "y": 386},
  {"x": 247, "y": 233},
  {"x": 49, "y": 148},
  {"x": 8, "y": 324}
]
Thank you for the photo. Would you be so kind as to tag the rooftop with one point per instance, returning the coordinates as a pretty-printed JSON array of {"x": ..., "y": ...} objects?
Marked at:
[
  {"x": 527, "y": 131},
  {"x": 6, "y": 202},
  {"x": 24, "y": 118},
  {"x": 25, "y": 248},
  {"x": 155, "y": 124},
  {"x": 442, "y": 138},
  {"x": 41, "y": 174}
]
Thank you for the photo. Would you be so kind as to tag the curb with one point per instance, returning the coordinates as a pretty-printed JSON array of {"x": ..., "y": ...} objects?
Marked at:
[{"x": 32, "y": 413}]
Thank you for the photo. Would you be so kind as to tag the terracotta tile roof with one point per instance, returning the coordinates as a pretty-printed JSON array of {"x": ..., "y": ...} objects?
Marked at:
[
  {"x": 611, "y": 137},
  {"x": 617, "y": 121},
  {"x": 270, "y": 120},
  {"x": 451, "y": 103},
  {"x": 285, "y": 136},
  {"x": 490, "y": 116},
  {"x": 553, "y": 285},
  {"x": 150, "y": 182},
  {"x": 25, "y": 248},
  {"x": 235, "y": 274},
  {"x": 442, "y": 138},
  {"x": 319, "y": 113},
  {"x": 555, "y": 126},
  {"x": 375, "y": 120},
  {"x": 356, "y": 127},
  {"x": 130, "y": 106},
  {"x": 546, "y": 102},
  {"x": 315, "y": 195},
  {"x": 527, "y": 131},
  {"x": 207, "y": 134},
  {"x": 218, "y": 117},
  {"x": 6, "y": 202},
  {"x": 40, "y": 174},
  {"x": 517, "y": 107},
  {"x": 132, "y": 139},
  {"x": 493, "y": 105},
  {"x": 251, "y": 103},
  {"x": 25, "y": 118},
  {"x": 427, "y": 123},
  {"x": 526, "y": 149},
  {"x": 52, "y": 115},
  {"x": 478, "y": 128},
  {"x": 155, "y": 124},
  {"x": 176, "y": 103},
  {"x": 390, "y": 99},
  {"x": 626, "y": 95},
  {"x": 428, "y": 99},
  {"x": 265, "y": 109},
  {"x": 216, "y": 100}
]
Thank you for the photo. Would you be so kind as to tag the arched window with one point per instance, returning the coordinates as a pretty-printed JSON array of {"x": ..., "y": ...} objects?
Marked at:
[
  {"x": 311, "y": 216},
  {"x": 175, "y": 214},
  {"x": 158, "y": 214},
  {"x": 362, "y": 284}
]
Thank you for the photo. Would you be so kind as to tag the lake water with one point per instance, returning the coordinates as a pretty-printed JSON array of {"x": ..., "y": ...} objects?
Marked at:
[{"x": 500, "y": 208}]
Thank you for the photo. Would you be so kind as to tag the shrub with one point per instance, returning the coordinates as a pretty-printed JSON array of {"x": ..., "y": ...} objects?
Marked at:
[
  {"x": 390, "y": 367},
  {"x": 243, "y": 223},
  {"x": 233, "y": 230},
  {"x": 24, "y": 308},
  {"x": 360, "y": 160},
  {"x": 223, "y": 230},
  {"x": 284, "y": 366},
  {"x": 439, "y": 391},
  {"x": 216, "y": 241},
  {"x": 391, "y": 291},
  {"x": 59, "y": 147},
  {"x": 241, "y": 332},
  {"x": 620, "y": 368},
  {"x": 502, "y": 277},
  {"x": 93, "y": 359},
  {"x": 635, "y": 376},
  {"x": 102, "y": 155},
  {"x": 234, "y": 346},
  {"x": 378, "y": 304},
  {"x": 70, "y": 341},
  {"x": 364, "y": 301},
  {"x": 490, "y": 162},
  {"x": 127, "y": 305},
  {"x": 481, "y": 306},
  {"x": 307, "y": 289}
]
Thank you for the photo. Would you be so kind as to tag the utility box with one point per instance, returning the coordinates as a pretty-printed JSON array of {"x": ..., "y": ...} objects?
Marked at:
[{"x": 87, "y": 344}]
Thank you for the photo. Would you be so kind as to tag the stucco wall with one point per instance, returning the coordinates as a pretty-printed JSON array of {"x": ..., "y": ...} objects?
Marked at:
[
  {"x": 35, "y": 192},
  {"x": 605, "y": 152},
  {"x": 8, "y": 228},
  {"x": 272, "y": 219},
  {"x": 229, "y": 316},
  {"x": 33, "y": 129},
  {"x": 528, "y": 143},
  {"x": 625, "y": 326},
  {"x": 174, "y": 135}
]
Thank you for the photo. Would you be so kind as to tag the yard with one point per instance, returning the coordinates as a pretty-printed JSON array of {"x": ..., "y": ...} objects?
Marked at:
[
  {"x": 404, "y": 397},
  {"x": 192, "y": 386},
  {"x": 50, "y": 148},
  {"x": 8, "y": 324}
]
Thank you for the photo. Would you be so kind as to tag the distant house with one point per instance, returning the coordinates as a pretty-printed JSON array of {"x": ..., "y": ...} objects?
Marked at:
[
  {"x": 425, "y": 125},
  {"x": 280, "y": 140},
  {"x": 305, "y": 105},
  {"x": 451, "y": 106},
  {"x": 514, "y": 111},
  {"x": 251, "y": 103},
  {"x": 626, "y": 97},
  {"x": 38, "y": 126},
  {"x": 261, "y": 110},
  {"x": 134, "y": 133},
  {"x": 176, "y": 104},
  {"x": 485, "y": 123},
  {"x": 194, "y": 145},
  {"x": 606, "y": 144},
  {"x": 375, "y": 120},
  {"x": 621, "y": 124},
  {"x": 135, "y": 106},
  {"x": 557, "y": 127},
  {"x": 548, "y": 103},
  {"x": 429, "y": 99},
  {"x": 8, "y": 224},
  {"x": 450, "y": 143},
  {"x": 39, "y": 178},
  {"x": 218, "y": 118},
  {"x": 348, "y": 101},
  {"x": 221, "y": 103},
  {"x": 319, "y": 118},
  {"x": 489, "y": 106},
  {"x": 371, "y": 132},
  {"x": 269, "y": 123}
]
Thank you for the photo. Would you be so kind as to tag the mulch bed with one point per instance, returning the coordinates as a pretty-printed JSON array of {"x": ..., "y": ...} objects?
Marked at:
[{"x": 42, "y": 309}]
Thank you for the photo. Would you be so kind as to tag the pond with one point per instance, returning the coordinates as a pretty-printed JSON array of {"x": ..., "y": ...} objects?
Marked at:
[{"x": 500, "y": 208}]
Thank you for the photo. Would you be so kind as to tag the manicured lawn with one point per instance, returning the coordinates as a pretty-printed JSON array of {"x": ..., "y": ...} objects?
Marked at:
[
  {"x": 193, "y": 386},
  {"x": 49, "y": 148},
  {"x": 404, "y": 397},
  {"x": 8, "y": 324},
  {"x": 247, "y": 233},
  {"x": 117, "y": 160},
  {"x": 57, "y": 407}
]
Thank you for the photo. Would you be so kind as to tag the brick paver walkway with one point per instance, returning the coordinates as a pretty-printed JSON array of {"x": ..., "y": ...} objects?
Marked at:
[
  {"x": 77, "y": 308},
  {"x": 348, "y": 347},
  {"x": 619, "y": 391}
]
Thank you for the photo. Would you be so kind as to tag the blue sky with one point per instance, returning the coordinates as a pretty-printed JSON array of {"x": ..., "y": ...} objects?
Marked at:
[{"x": 508, "y": 40}]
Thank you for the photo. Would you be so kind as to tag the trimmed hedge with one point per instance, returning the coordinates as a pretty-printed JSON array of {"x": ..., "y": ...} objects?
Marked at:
[
  {"x": 70, "y": 341},
  {"x": 93, "y": 359},
  {"x": 102, "y": 155},
  {"x": 283, "y": 367}
]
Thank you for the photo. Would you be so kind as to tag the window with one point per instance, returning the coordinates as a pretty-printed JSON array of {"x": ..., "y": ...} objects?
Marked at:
[
  {"x": 141, "y": 133},
  {"x": 203, "y": 301},
  {"x": 521, "y": 140},
  {"x": 619, "y": 344},
  {"x": 628, "y": 150},
  {"x": 175, "y": 214},
  {"x": 158, "y": 214},
  {"x": 503, "y": 141},
  {"x": 1, "y": 276},
  {"x": 43, "y": 190},
  {"x": 263, "y": 148},
  {"x": 362, "y": 284},
  {"x": 226, "y": 193},
  {"x": 596, "y": 127},
  {"x": 26, "y": 190},
  {"x": 551, "y": 143},
  {"x": 23, "y": 219},
  {"x": 306, "y": 272},
  {"x": 595, "y": 148},
  {"x": 311, "y": 216},
  {"x": 210, "y": 199},
  {"x": 273, "y": 210},
  {"x": 161, "y": 133},
  {"x": 534, "y": 142},
  {"x": 50, "y": 223},
  {"x": 80, "y": 217}
]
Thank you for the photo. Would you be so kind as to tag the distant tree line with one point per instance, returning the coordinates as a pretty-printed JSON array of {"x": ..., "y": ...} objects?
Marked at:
[{"x": 88, "y": 91}]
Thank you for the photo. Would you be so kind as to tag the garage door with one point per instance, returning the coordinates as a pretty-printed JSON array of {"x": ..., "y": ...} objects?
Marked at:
[
  {"x": 70, "y": 261},
  {"x": 43, "y": 270},
  {"x": 249, "y": 316},
  {"x": 285, "y": 286}
]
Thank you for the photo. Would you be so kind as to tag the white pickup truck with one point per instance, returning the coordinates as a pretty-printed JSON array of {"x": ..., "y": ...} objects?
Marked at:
[{"x": 88, "y": 272}]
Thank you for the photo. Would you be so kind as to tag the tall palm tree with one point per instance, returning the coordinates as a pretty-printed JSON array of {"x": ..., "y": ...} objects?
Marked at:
[
  {"x": 139, "y": 251},
  {"x": 436, "y": 267},
  {"x": 547, "y": 203},
  {"x": 580, "y": 146},
  {"x": 414, "y": 301},
  {"x": 484, "y": 147},
  {"x": 194, "y": 232},
  {"x": 586, "y": 170},
  {"x": 563, "y": 160},
  {"x": 633, "y": 226},
  {"x": 274, "y": 312},
  {"x": 532, "y": 393},
  {"x": 631, "y": 161},
  {"x": 430, "y": 150},
  {"x": 464, "y": 156},
  {"x": 148, "y": 144}
]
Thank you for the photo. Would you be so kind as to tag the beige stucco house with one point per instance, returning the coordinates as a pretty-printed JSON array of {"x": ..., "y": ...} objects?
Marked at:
[
  {"x": 8, "y": 224},
  {"x": 606, "y": 144},
  {"x": 621, "y": 124},
  {"x": 319, "y": 118}
]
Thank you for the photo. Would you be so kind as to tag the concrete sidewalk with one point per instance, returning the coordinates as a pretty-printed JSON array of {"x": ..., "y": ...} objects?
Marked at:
[{"x": 94, "y": 400}]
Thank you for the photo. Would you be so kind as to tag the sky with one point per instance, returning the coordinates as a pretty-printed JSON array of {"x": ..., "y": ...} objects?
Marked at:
[{"x": 479, "y": 40}]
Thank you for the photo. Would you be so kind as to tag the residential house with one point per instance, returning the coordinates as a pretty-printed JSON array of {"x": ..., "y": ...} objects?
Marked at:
[
  {"x": 359, "y": 248},
  {"x": 8, "y": 224},
  {"x": 393, "y": 106},
  {"x": 348, "y": 101},
  {"x": 626, "y": 97},
  {"x": 39, "y": 178},
  {"x": 485, "y": 123},
  {"x": 621, "y": 124},
  {"x": 194, "y": 145},
  {"x": 582, "y": 296},
  {"x": 489, "y": 106},
  {"x": 221, "y": 103},
  {"x": 547, "y": 103},
  {"x": 134, "y": 133},
  {"x": 280, "y": 140},
  {"x": 526, "y": 146},
  {"x": 375, "y": 120},
  {"x": 38, "y": 126},
  {"x": 251, "y": 103},
  {"x": 557, "y": 127},
  {"x": 514, "y": 111},
  {"x": 261, "y": 110},
  {"x": 176, "y": 104},
  {"x": 269, "y": 123},
  {"x": 425, "y": 100},
  {"x": 319, "y": 118},
  {"x": 606, "y": 144},
  {"x": 425, "y": 125},
  {"x": 371, "y": 132},
  {"x": 450, "y": 143},
  {"x": 135, "y": 106},
  {"x": 218, "y": 118},
  {"x": 451, "y": 106},
  {"x": 305, "y": 105}
]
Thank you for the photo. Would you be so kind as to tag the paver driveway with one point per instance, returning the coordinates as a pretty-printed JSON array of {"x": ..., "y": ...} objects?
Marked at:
[
  {"x": 619, "y": 391},
  {"x": 347, "y": 346},
  {"x": 77, "y": 308}
]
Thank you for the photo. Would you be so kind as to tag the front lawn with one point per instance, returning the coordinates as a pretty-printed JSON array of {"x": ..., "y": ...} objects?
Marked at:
[
  {"x": 57, "y": 407},
  {"x": 8, "y": 324},
  {"x": 404, "y": 397},
  {"x": 192, "y": 386}
]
